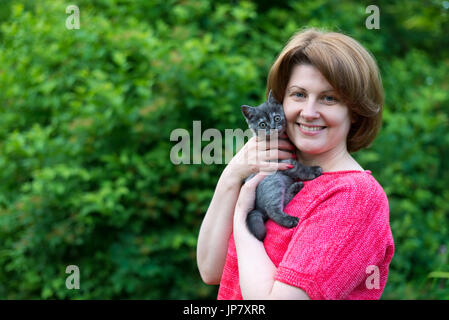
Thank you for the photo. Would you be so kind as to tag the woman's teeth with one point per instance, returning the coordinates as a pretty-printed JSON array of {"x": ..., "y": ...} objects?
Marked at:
[{"x": 311, "y": 128}]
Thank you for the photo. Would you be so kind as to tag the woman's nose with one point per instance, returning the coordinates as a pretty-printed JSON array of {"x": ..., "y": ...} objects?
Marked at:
[{"x": 309, "y": 110}]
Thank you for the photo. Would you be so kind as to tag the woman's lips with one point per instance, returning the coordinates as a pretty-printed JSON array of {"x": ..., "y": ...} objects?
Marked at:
[{"x": 310, "y": 130}]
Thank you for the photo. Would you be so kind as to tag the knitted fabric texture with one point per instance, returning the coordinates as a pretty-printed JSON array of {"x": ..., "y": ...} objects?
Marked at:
[{"x": 341, "y": 247}]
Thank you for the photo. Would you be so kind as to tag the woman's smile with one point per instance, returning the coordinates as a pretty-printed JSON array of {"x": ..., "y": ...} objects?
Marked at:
[{"x": 310, "y": 130}]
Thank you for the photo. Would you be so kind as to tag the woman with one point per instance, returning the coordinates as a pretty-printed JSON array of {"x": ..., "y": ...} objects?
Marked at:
[{"x": 332, "y": 96}]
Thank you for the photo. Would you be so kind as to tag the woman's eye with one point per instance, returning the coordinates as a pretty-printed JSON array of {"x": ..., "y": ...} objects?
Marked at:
[
  {"x": 330, "y": 99},
  {"x": 262, "y": 125},
  {"x": 298, "y": 95},
  {"x": 277, "y": 118}
]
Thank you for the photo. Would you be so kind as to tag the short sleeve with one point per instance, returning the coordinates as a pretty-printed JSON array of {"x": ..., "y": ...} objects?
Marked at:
[{"x": 343, "y": 233}]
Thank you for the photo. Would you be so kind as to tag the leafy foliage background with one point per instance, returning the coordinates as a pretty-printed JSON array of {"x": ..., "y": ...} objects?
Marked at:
[{"x": 86, "y": 116}]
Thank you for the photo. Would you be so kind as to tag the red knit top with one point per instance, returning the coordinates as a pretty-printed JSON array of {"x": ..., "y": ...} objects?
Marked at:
[{"x": 341, "y": 247}]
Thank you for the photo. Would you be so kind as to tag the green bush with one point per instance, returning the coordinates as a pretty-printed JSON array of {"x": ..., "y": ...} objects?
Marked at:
[{"x": 86, "y": 117}]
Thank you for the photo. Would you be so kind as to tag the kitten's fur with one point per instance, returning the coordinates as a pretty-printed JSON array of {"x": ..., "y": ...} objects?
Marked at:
[{"x": 275, "y": 191}]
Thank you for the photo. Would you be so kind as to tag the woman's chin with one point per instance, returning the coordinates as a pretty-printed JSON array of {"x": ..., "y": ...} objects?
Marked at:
[{"x": 307, "y": 147}]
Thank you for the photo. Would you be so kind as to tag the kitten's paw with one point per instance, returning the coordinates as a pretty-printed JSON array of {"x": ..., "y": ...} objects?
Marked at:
[
  {"x": 290, "y": 222},
  {"x": 312, "y": 172},
  {"x": 296, "y": 187},
  {"x": 317, "y": 171}
]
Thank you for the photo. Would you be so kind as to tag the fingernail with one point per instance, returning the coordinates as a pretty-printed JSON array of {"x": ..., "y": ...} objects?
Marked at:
[
  {"x": 294, "y": 156},
  {"x": 290, "y": 166}
]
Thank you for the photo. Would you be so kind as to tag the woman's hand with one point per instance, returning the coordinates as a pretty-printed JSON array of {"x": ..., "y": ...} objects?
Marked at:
[
  {"x": 259, "y": 154},
  {"x": 247, "y": 197}
]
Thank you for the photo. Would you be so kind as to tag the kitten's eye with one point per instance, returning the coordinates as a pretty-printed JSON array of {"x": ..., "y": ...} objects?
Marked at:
[
  {"x": 277, "y": 118},
  {"x": 263, "y": 125}
]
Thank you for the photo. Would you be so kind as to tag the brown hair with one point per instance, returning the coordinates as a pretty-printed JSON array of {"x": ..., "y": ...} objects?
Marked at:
[{"x": 348, "y": 67}]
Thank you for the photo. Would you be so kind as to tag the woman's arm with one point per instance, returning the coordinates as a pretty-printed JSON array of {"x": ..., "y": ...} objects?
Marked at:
[
  {"x": 256, "y": 270},
  {"x": 217, "y": 224},
  {"x": 216, "y": 228}
]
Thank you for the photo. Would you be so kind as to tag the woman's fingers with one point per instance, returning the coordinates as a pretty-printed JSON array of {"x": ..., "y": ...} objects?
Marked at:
[
  {"x": 278, "y": 155},
  {"x": 271, "y": 167},
  {"x": 275, "y": 144},
  {"x": 270, "y": 155},
  {"x": 254, "y": 181},
  {"x": 265, "y": 151},
  {"x": 247, "y": 197},
  {"x": 262, "y": 155}
]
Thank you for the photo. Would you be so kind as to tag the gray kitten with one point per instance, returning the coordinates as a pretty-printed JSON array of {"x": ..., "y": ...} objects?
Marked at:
[{"x": 275, "y": 191}]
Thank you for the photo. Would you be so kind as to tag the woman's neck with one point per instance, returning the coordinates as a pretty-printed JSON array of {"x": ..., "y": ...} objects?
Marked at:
[{"x": 332, "y": 160}]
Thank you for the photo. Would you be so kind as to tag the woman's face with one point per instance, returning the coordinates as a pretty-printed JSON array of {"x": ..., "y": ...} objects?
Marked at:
[{"x": 317, "y": 122}]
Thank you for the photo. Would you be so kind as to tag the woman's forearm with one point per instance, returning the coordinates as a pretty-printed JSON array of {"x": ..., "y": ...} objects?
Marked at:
[
  {"x": 216, "y": 228},
  {"x": 256, "y": 270}
]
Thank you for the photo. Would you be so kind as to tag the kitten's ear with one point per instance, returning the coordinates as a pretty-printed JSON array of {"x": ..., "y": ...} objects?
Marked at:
[
  {"x": 247, "y": 111},
  {"x": 271, "y": 99}
]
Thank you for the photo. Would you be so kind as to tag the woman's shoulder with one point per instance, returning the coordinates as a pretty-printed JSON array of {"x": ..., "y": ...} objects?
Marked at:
[
  {"x": 345, "y": 188},
  {"x": 342, "y": 197},
  {"x": 360, "y": 181}
]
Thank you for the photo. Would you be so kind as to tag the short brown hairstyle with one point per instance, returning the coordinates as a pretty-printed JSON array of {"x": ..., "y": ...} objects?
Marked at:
[{"x": 348, "y": 67}]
